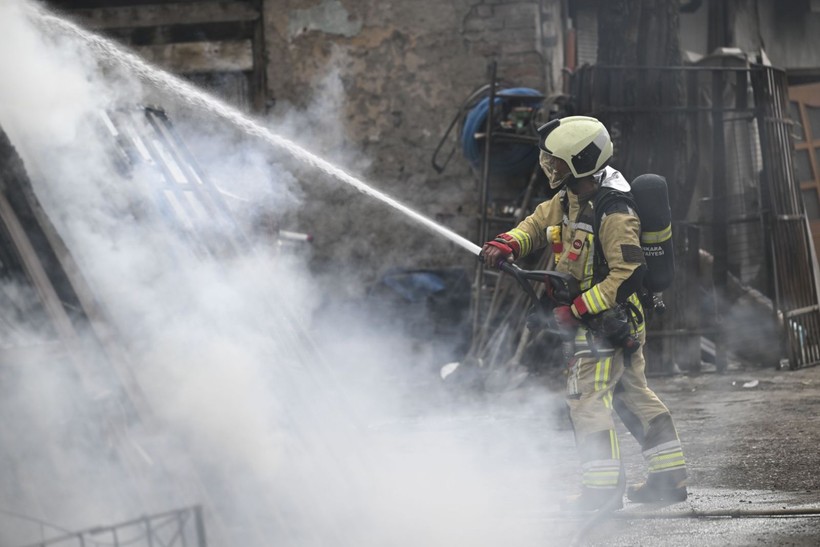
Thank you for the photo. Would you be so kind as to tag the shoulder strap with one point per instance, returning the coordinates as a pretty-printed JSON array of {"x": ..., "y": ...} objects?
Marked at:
[
  {"x": 562, "y": 195},
  {"x": 605, "y": 201}
]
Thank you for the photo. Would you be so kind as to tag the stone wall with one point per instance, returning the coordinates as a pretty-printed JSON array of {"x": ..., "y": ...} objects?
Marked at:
[
  {"x": 370, "y": 85},
  {"x": 404, "y": 69}
]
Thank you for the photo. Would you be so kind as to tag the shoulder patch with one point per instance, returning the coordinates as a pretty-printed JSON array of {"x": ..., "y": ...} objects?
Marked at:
[{"x": 632, "y": 254}]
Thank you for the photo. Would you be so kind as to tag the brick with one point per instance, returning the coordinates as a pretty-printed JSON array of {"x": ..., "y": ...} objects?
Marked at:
[
  {"x": 517, "y": 15},
  {"x": 480, "y": 24},
  {"x": 520, "y": 46},
  {"x": 483, "y": 11}
]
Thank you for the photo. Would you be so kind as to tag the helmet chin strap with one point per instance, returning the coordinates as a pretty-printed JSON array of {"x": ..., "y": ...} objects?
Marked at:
[
  {"x": 556, "y": 184},
  {"x": 573, "y": 185}
]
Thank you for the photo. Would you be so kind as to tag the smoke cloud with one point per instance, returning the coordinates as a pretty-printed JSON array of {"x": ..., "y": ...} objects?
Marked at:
[{"x": 291, "y": 427}]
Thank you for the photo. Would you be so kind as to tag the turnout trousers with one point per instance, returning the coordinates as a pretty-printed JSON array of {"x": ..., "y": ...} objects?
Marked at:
[{"x": 601, "y": 382}]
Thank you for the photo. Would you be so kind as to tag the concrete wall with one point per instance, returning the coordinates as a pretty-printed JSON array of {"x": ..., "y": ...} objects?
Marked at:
[
  {"x": 694, "y": 31},
  {"x": 791, "y": 37},
  {"x": 788, "y": 31},
  {"x": 404, "y": 68},
  {"x": 370, "y": 85}
]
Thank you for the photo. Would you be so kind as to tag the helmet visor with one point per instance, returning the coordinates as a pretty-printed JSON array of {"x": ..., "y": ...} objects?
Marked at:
[{"x": 555, "y": 168}]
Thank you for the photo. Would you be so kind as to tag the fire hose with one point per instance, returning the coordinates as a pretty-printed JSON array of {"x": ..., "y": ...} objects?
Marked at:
[{"x": 613, "y": 325}]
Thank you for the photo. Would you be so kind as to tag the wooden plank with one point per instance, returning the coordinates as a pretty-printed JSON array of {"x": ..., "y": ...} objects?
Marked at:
[
  {"x": 165, "y": 14},
  {"x": 190, "y": 57},
  {"x": 36, "y": 272},
  {"x": 259, "y": 86}
]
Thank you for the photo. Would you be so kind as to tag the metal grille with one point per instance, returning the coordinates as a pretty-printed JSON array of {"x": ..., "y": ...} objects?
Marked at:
[
  {"x": 181, "y": 527},
  {"x": 186, "y": 198},
  {"x": 792, "y": 248},
  {"x": 720, "y": 135}
]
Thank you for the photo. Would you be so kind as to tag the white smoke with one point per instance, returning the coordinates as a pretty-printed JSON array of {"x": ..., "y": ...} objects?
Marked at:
[{"x": 288, "y": 431}]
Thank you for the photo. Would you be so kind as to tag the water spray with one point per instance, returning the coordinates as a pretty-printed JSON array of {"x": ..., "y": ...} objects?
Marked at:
[{"x": 193, "y": 96}]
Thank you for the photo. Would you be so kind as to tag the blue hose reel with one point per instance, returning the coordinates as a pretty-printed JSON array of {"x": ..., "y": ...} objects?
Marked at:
[{"x": 514, "y": 110}]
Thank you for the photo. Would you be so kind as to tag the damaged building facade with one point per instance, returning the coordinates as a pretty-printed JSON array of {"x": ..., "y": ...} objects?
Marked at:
[
  {"x": 390, "y": 77},
  {"x": 386, "y": 90}
]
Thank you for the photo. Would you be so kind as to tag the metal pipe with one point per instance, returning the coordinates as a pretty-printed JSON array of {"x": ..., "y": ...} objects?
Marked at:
[
  {"x": 722, "y": 513},
  {"x": 483, "y": 199},
  {"x": 200, "y": 527},
  {"x": 488, "y": 141},
  {"x": 720, "y": 241}
]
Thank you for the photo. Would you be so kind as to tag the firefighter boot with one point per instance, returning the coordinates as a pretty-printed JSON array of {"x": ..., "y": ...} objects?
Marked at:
[
  {"x": 660, "y": 487},
  {"x": 666, "y": 481},
  {"x": 603, "y": 480}
]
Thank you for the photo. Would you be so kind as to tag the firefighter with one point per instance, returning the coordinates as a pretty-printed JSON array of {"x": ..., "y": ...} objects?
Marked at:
[{"x": 605, "y": 371}]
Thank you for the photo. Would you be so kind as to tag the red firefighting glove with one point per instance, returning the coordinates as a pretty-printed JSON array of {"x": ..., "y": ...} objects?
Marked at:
[
  {"x": 565, "y": 318},
  {"x": 503, "y": 247},
  {"x": 537, "y": 319}
]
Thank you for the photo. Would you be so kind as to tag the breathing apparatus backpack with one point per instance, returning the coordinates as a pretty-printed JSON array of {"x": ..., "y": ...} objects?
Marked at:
[
  {"x": 618, "y": 325},
  {"x": 650, "y": 199}
]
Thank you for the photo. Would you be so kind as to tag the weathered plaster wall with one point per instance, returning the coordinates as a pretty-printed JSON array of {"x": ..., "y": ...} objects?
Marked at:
[
  {"x": 405, "y": 67},
  {"x": 789, "y": 32},
  {"x": 694, "y": 31}
]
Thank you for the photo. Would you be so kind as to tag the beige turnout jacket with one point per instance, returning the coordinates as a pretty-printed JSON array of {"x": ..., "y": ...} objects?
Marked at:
[{"x": 571, "y": 236}]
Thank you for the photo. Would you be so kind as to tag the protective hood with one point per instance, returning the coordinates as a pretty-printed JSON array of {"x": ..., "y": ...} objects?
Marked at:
[{"x": 612, "y": 178}]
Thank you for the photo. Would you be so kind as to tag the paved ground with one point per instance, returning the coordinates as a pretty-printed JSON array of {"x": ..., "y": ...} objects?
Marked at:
[{"x": 751, "y": 439}]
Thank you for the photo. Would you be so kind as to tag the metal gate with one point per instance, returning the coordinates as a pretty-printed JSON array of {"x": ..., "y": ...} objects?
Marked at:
[
  {"x": 720, "y": 134},
  {"x": 794, "y": 259}
]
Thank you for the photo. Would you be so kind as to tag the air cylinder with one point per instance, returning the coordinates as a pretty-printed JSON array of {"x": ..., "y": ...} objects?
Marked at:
[{"x": 652, "y": 199}]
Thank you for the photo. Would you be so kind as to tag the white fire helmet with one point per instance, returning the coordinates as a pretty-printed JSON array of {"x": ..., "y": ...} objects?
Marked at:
[{"x": 582, "y": 142}]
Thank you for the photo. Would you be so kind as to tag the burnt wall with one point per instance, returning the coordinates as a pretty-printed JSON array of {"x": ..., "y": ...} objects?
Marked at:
[
  {"x": 402, "y": 70},
  {"x": 405, "y": 68},
  {"x": 786, "y": 31}
]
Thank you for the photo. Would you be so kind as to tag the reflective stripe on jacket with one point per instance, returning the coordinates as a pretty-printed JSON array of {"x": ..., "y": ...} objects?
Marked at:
[{"x": 619, "y": 233}]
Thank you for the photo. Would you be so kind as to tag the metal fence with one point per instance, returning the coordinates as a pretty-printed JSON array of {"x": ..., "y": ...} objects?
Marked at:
[
  {"x": 793, "y": 257},
  {"x": 178, "y": 528},
  {"x": 747, "y": 282}
]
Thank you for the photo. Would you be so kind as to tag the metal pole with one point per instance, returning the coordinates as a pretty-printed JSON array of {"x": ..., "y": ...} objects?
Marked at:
[
  {"x": 485, "y": 174},
  {"x": 200, "y": 527},
  {"x": 149, "y": 532},
  {"x": 720, "y": 241},
  {"x": 483, "y": 199}
]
